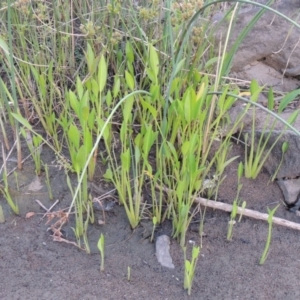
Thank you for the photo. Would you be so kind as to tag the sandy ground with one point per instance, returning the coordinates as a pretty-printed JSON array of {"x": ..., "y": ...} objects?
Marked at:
[{"x": 32, "y": 266}]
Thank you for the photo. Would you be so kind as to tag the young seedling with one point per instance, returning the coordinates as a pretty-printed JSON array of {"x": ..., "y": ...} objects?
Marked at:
[
  {"x": 189, "y": 268},
  {"x": 261, "y": 148},
  {"x": 5, "y": 189},
  {"x": 154, "y": 221},
  {"x": 284, "y": 149},
  {"x": 232, "y": 220},
  {"x": 243, "y": 208},
  {"x": 268, "y": 242},
  {"x": 48, "y": 182},
  {"x": 17, "y": 181},
  {"x": 100, "y": 245},
  {"x": 34, "y": 144},
  {"x": 235, "y": 203}
]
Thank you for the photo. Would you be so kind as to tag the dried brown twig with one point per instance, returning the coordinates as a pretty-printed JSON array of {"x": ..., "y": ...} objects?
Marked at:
[{"x": 245, "y": 212}]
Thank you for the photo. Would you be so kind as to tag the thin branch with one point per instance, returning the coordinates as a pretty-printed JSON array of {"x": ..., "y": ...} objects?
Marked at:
[
  {"x": 242, "y": 211},
  {"x": 246, "y": 212}
]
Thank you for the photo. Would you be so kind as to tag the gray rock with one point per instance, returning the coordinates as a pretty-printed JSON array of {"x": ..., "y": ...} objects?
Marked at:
[
  {"x": 162, "y": 251},
  {"x": 290, "y": 189},
  {"x": 271, "y": 50}
]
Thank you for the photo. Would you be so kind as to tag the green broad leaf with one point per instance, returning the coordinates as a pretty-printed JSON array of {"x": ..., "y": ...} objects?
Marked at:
[
  {"x": 4, "y": 47},
  {"x": 185, "y": 148},
  {"x": 21, "y": 120},
  {"x": 153, "y": 60},
  {"x": 270, "y": 99},
  {"x": 102, "y": 73},
  {"x": 37, "y": 140},
  {"x": 116, "y": 87},
  {"x": 108, "y": 175},
  {"x": 170, "y": 151},
  {"x": 149, "y": 139},
  {"x": 188, "y": 266},
  {"x": 179, "y": 190},
  {"x": 129, "y": 80},
  {"x": 88, "y": 141},
  {"x": 80, "y": 159},
  {"x": 202, "y": 91},
  {"x": 285, "y": 147},
  {"x": 240, "y": 170},
  {"x": 197, "y": 77},
  {"x": 197, "y": 185},
  {"x": 137, "y": 154},
  {"x": 106, "y": 131},
  {"x": 42, "y": 85},
  {"x": 271, "y": 213},
  {"x": 293, "y": 117},
  {"x": 154, "y": 220},
  {"x": 230, "y": 100},
  {"x": 74, "y": 136},
  {"x": 179, "y": 66},
  {"x": 119, "y": 56},
  {"x": 108, "y": 98},
  {"x": 24, "y": 134},
  {"x": 74, "y": 103},
  {"x": 101, "y": 243},
  {"x": 155, "y": 91},
  {"x": 287, "y": 99},
  {"x": 221, "y": 102},
  {"x": 123, "y": 133},
  {"x": 92, "y": 85},
  {"x": 151, "y": 75},
  {"x": 50, "y": 72},
  {"x": 90, "y": 59},
  {"x": 130, "y": 68},
  {"x": 192, "y": 166},
  {"x": 195, "y": 105},
  {"x": 92, "y": 119},
  {"x": 84, "y": 101},
  {"x": 127, "y": 109},
  {"x": 125, "y": 160},
  {"x": 79, "y": 87},
  {"x": 211, "y": 62},
  {"x": 191, "y": 105},
  {"x": 85, "y": 113},
  {"x": 187, "y": 106},
  {"x": 174, "y": 85},
  {"x": 234, "y": 209},
  {"x": 195, "y": 252},
  {"x": 149, "y": 107},
  {"x": 255, "y": 90},
  {"x": 138, "y": 141},
  {"x": 35, "y": 73},
  {"x": 129, "y": 52}
]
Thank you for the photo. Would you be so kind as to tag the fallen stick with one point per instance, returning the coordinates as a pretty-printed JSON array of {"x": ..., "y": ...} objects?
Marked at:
[
  {"x": 246, "y": 212},
  {"x": 242, "y": 211}
]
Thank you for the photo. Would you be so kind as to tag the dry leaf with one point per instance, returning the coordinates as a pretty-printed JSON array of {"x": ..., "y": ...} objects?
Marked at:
[
  {"x": 100, "y": 222},
  {"x": 29, "y": 214}
]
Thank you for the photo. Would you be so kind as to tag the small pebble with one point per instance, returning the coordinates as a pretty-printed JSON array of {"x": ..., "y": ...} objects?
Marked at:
[{"x": 162, "y": 251}]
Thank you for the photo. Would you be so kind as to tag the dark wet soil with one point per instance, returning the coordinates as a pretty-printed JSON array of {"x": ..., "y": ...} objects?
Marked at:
[{"x": 33, "y": 266}]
